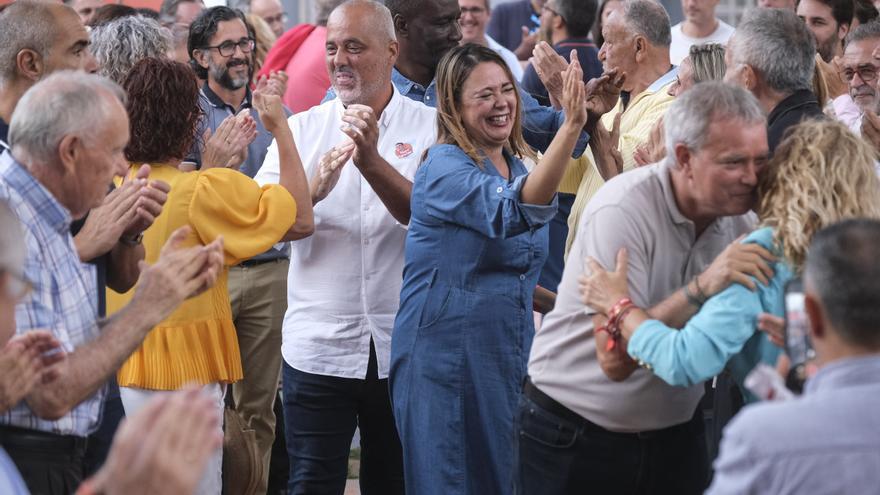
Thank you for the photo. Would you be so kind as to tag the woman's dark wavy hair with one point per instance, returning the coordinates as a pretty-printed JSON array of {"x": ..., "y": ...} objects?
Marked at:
[{"x": 163, "y": 110}]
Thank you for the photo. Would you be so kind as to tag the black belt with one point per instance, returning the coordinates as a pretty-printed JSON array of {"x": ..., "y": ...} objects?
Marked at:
[
  {"x": 550, "y": 405},
  {"x": 252, "y": 263},
  {"x": 13, "y": 438}
]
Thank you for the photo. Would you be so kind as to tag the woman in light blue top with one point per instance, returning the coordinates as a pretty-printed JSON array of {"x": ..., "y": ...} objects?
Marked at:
[{"x": 820, "y": 174}]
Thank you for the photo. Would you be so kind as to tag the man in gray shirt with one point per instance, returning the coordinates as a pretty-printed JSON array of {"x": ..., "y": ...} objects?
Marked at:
[
  {"x": 589, "y": 416},
  {"x": 827, "y": 441}
]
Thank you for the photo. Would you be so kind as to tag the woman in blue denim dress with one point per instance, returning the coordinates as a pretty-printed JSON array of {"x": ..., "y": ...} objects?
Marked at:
[{"x": 476, "y": 243}]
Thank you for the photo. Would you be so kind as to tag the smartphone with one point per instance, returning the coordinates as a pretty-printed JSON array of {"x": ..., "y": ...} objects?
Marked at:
[{"x": 797, "y": 335}]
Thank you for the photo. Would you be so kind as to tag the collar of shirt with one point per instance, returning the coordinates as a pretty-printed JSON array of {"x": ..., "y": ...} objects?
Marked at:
[
  {"x": 843, "y": 373},
  {"x": 628, "y": 100},
  {"x": 801, "y": 98},
  {"x": 18, "y": 178},
  {"x": 388, "y": 112},
  {"x": 414, "y": 90},
  {"x": 4, "y": 135},
  {"x": 218, "y": 102}
]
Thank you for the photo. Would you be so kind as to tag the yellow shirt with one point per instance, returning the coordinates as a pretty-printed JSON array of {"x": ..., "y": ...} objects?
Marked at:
[
  {"x": 197, "y": 343},
  {"x": 636, "y": 124}
]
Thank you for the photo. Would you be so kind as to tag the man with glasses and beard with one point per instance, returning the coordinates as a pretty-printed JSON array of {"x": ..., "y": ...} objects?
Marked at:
[{"x": 221, "y": 50}]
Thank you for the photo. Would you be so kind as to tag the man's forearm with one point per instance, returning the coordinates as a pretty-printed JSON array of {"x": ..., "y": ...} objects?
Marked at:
[
  {"x": 392, "y": 188},
  {"x": 674, "y": 311},
  {"x": 122, "y": 267},
  {"x": 89, "y": 366}
]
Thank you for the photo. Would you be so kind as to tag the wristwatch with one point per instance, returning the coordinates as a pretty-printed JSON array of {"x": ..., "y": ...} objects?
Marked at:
[{"x": 132, "y": 241}]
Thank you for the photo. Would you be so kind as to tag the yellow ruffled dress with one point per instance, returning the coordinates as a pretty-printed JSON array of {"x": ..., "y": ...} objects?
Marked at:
[{"x": 197, "y": 343}]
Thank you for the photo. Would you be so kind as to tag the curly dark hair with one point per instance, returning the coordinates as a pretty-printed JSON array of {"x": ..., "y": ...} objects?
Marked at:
[{"x": 163, "y": 110}]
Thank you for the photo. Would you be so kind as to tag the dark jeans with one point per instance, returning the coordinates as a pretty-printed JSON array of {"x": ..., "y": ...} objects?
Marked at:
[
  {"x": 320, "y": 417},
  {"x": 564, "y": 453},
  {"x": 100, "y": 441},
  {"x": 49, "y": 464}
]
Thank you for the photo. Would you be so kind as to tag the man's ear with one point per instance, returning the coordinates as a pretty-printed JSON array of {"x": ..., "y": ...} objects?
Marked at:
[
  {"x": 815, "y": 317},
  {"x": 683, "y": 158},
  {"x": 201, "y": 57},
  {"x": 842, "y": 31},
  {"x": 641, "y": 49},
  {"x": 30, "y": 64},
  {"x": 394, "y": 50},
  {"x": 749, "y": 77},
  {"x": 69, "y": 150},
  {"x": 401, "y": 27}
]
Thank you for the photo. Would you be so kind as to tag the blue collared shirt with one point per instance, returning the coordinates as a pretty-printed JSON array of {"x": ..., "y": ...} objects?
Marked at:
[
  {"x": 539, "y": 123},
  {"x": 10, "y": 479},
  {"x": 825, "y": 442},
  {"x": 64, "y": 295}
]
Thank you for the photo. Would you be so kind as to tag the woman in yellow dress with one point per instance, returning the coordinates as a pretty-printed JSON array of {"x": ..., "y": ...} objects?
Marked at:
[{"x": 197, "y": 343}]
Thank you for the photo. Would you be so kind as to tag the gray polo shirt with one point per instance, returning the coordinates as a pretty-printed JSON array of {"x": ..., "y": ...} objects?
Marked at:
[{"x": 637, "y": 210}]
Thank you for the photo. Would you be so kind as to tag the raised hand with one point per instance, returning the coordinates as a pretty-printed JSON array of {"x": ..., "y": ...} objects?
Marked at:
[
  {"x": 573, "y": 94},
  {"x": 603, "y": 92},
  {"x": 549, "y": 66},
  {"x": 25, "y": 361},
  {"x": 605, "y": 146},
  {"x": 271, "y": 111},
  {"x": 360, "y": 124},
  {"x": 738, "y": 263},
  {"x": 178, "y": 274},
  {"x": 227, "y": 146},
  {"x": 329, "y": 169},
  {"x": 602, "y": 289},
  {"x": 274, "y": 84},
  {"x": 152, "y": 197},
  {"x": 163, "y": 448}
]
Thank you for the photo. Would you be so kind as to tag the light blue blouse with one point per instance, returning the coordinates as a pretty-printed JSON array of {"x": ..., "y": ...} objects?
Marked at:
[{"x": 724, "y": 332}]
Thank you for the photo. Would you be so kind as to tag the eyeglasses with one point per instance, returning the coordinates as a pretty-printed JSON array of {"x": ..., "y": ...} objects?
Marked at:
[
  {"x": 866, "y": 72},
  {"x": 227, "y": 48},
  {"x": 551, "y": 10},
  {"x": 16, "y": 285}
]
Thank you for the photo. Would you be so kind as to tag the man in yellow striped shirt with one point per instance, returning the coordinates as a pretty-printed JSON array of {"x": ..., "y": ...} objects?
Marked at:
[{"x": 637, "y": 40}]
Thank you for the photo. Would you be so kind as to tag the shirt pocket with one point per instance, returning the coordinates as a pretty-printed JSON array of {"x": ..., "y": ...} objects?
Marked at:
[{"x": 435, "y": 306}]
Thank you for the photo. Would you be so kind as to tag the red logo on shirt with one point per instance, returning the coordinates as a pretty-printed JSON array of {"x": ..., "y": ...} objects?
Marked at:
[{"x": 402, "y": 150}]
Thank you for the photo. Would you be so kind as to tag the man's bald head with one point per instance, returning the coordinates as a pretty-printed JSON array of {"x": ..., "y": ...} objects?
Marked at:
[{"x": 366, "y": 12}]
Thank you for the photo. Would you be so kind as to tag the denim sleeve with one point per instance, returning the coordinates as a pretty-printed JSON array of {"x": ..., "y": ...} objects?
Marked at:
[
  {"x": 458, "y": 192},
  {"x": 702, "y": 348},
  {"x": 541, "y": 123}
]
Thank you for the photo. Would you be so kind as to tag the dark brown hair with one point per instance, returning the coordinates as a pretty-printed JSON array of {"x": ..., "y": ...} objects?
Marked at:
[{"x": 163, "y": 110}]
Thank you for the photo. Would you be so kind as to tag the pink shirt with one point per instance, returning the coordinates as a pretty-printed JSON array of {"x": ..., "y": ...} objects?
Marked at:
[{"x": 307, "y": 71}]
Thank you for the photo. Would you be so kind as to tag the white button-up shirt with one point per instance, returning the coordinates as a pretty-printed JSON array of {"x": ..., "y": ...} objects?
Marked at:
[{"x": 343, "y": 286}]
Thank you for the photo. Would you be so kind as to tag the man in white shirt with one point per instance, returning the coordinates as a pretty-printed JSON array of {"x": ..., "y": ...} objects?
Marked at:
[
  {"x": 698, "y": 27},
  {"x": 474, "y": 18},
  {"x": 361, "y": 150}
]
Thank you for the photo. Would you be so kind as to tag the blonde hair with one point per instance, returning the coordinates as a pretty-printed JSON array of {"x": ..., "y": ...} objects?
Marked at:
[
  {"x": 265, "y": 38},
  {"x": 821, "y": 173},
  {"x": 452, "y": 72}
]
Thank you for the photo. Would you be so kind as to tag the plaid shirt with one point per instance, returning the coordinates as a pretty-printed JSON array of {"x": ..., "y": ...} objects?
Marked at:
[{"x": 64, "y": 295}]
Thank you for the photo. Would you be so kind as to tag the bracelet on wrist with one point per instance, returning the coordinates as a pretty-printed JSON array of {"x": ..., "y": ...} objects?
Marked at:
[{"x": 132, "y": 241}]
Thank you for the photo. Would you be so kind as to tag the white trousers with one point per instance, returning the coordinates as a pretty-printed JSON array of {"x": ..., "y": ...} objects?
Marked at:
[{"x": 211, "y": 483}]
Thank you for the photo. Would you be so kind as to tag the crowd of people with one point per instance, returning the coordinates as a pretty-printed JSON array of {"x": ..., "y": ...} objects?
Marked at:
[{"x": 538, "y": 247}]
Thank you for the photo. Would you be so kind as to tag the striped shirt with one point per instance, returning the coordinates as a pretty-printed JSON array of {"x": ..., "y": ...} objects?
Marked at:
[{"x": 64, "y": 296}]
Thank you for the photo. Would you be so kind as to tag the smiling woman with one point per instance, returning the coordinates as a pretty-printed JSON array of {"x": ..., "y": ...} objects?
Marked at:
[{"x": 464, "y": 328}]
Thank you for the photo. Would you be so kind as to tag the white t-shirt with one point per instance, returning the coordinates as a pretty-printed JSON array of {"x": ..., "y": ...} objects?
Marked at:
[{"x": 681, "y": 43}]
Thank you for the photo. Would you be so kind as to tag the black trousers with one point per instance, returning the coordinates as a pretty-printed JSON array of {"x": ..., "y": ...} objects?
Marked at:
[
  {"x": 560, "y": 452},
  {"x": 49, "y": 464},
  {"x": 320, "y": 417}
]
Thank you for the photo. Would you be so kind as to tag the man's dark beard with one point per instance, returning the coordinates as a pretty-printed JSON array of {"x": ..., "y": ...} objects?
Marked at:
[{"x": 225, "y": 80}]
